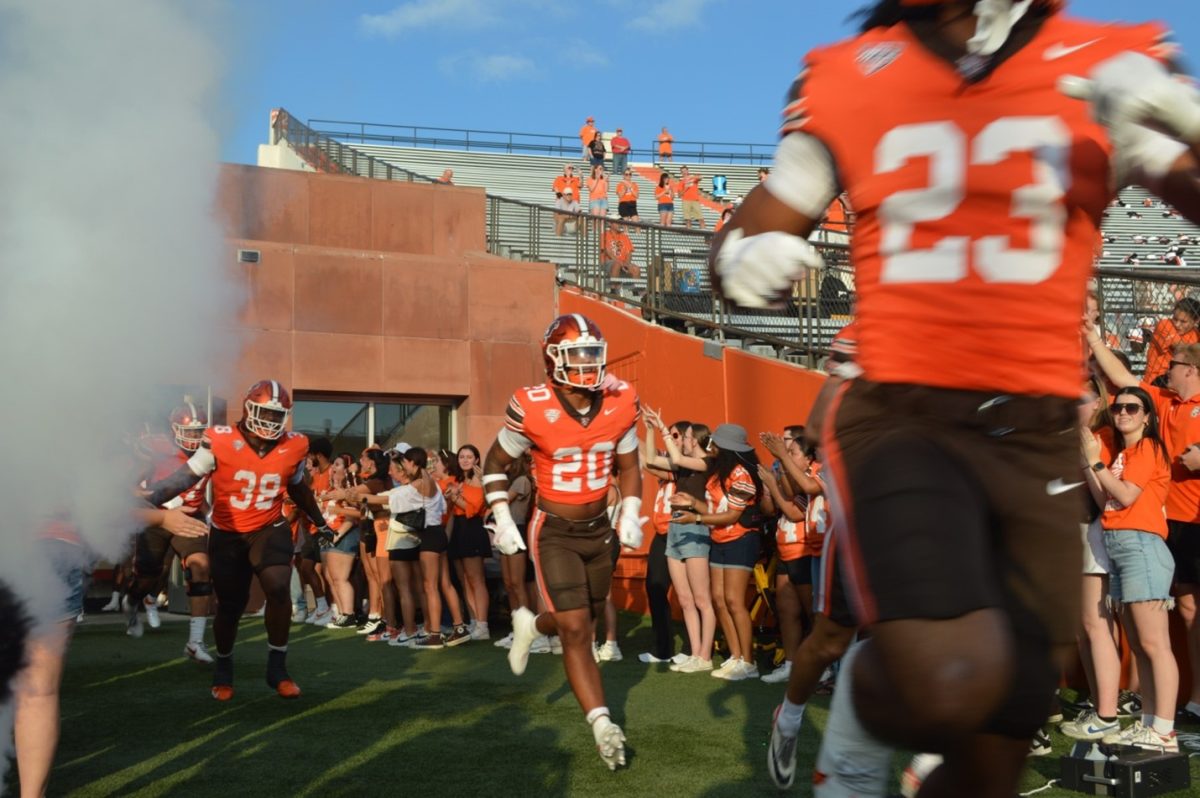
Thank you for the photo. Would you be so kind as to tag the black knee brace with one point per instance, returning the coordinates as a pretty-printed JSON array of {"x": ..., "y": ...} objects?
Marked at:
[{"x": 196, "y": 589}]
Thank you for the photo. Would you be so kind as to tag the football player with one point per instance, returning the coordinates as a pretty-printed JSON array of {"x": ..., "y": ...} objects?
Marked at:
[
  {"x": 151, "y": 546},
  {"x": 978, "y": 188},
  {"x": 251, "y": 465},
  {"x": 574, "y": 427}
]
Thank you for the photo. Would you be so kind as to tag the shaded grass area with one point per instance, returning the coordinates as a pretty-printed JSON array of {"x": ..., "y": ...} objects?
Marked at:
[{"x": 374, "y": 720}]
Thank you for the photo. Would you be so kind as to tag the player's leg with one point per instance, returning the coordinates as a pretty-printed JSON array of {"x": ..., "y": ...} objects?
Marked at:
[
  {"x": 150, "y": 551},
  {"x": 198, "y": 580},
  {"x": 270, "y": 556},
  {"x": 231, "y": 574}
]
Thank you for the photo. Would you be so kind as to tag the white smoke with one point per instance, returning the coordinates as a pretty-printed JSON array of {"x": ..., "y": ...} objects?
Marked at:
[{"x": 111, "y": 272}]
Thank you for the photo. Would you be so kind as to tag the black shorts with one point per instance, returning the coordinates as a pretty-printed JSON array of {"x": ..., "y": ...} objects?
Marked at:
[
  {"x": 404, "y": 555},
  {"x": 1183, "y": 539},
  {"x": 263, "y": 548},
  {"x": 468, "y": 538},
  {"x": 798, "y": 571},
  {"x": 151, "y": 545},
  {"x": 626, "y": 210},
  {"x": 949, "y": 493},
  {"x": 829, "y": 591},
  {"x": 433, "y": 539},
  {"x": 574, "y": 560}
]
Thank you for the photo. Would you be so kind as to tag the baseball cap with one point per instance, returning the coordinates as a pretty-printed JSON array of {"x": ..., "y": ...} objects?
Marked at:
[
  {"x": 568, "y": 190},
  {"x": 590, "y": 119},
  {"x": 732, "y": 437},
  {"x": 401, "y": 447}
]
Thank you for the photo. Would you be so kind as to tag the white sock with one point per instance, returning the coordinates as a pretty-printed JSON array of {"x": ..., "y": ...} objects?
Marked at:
[
  {"x": 334, "y": 607},
  {"x": 852, "y": 762},
  {"x": 276, "y": 648},
  {"x": 116, "y": 597},
  {"x": 374, "y": 616},
  {"x": 791, "y": 716},
  {"x": 196, "y": 630},
  {"x": 481, "y": 627},
  {"x": 322, "y": 605},
  {"x": 1192, "y": 706},
  {"x": 597, "y": 713},
  {"x": 1163, "y": 726}
]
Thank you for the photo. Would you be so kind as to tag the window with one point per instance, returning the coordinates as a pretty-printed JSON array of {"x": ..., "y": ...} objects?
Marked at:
[{"x": 352, "y": 425}]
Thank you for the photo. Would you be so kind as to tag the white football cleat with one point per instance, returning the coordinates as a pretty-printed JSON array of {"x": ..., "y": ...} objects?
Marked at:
[
  {"x": 610, "y": 742},
  {"x": 524, "y": 631},
  {"x": 609, "y": 652},
  {"x": 781, "y": 754},
  {"x": 152, "y": 612},
  {"x": 198, "y": 652}
]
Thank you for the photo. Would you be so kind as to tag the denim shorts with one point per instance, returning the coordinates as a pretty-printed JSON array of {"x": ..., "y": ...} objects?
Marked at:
[
  {"x": 741, "y": 554},
  {"x": 666, "y": 207},
  {"x": 598, "y": 204},
  {"x": 348, "y": 544},
  {"x": 685, "y": 541},
  {"x": 1142, "y": 566},
  {"x": 70, "y": 562}
]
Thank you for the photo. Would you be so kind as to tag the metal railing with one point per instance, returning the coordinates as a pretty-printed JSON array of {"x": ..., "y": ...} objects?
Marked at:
[
  {"x": 673, "y": 287},
  {"x": 528, "y": 143}
]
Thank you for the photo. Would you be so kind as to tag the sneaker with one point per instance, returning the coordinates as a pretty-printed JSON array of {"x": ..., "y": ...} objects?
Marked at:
[
  {"x": 1088, "y": 726},
  {"x": 1129, "y": 705},
  {"x": 459, "y": 636},
  {"x": 609, "y": 652},
  {"x": 504, "y": 642},
  {"x": 381, "y": 635},
  {"x": 780, "y": 674},
  {"x": 610, "y": 742},
  {"x": 649, "y": 659},
  {"x": 481, "y": 632},
  {"x": 1151, "y": 740},
  {"x": 342, "y": 622},
  {"x": 524, "y": 633},
  {"x": 320, "y": 618},
  {"x": 727, "y": 667},
  {"x": 692, "y": 665},
  {"x": 198, "y": 652},
  {"x": 152, "y": 613},
  {"x": 781, "y": 754},
  {"x": 113, "y": 604},
  {"x": 540, "y": 645},
  {"x": 917, "y": 771},
  {"x": 681, "y": 658},
  {"x": 429, "y": 642},
  {"x": 1041, "y": 745},
  {"x": 299, "y": 615},
  {"x": 1123, "y": 737},
  {"x": 133, "y": 623},
  {"x": 402, "y": 640},
  {"x": 744, "y": 670},
  {"x": 371, "y": 626},
  {"x": 555, "y": 645}
]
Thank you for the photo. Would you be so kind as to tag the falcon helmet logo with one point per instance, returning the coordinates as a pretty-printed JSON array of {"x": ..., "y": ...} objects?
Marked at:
[{"x": 874, "y": 57}]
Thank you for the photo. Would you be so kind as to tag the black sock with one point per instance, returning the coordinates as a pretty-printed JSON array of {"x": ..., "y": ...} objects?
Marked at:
[
  {"x": 276, "y": 666},
  {"x": 1113, "y": 719},
  {"x": 223, "y": 670}
]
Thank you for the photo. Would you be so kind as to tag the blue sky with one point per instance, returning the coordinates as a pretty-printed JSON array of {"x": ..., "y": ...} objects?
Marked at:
[{"x": 711, "y": 70}]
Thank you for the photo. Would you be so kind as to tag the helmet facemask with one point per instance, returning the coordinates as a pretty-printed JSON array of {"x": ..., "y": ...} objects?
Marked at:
[
  {"x": 265, "y": 421},
  {"x": 189, "y": 434},
  {"x": 579, "y": 363}
]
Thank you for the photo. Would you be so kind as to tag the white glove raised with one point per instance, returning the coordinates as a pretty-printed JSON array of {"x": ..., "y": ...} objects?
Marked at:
[
  {"x": 1132, "y": 88},
  {"x": 758, "y": 271},
  {"x": 629, "y": 522},
  {"x": 505, "y": 534}
]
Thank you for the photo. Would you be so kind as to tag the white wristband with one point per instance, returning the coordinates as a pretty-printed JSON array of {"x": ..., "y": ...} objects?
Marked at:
[
  {"x": 490, "y": 478},
  {"x": 495, "y": 496}
]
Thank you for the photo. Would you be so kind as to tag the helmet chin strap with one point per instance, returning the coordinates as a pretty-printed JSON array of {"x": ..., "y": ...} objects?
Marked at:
[{"x": 994, "y": 21}]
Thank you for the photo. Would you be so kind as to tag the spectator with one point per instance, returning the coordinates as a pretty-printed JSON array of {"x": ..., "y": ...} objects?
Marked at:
[
  {"x": 597, "y": 186},
  {"x": 688, "y": 189},
  {"x": 665, "y": 142},
  {"x": 469, "y": 543},
  {"x": 726, "y": 215},
  {"x": 586, "y": 134},
  {"x": 568, "y": 179},
  {"x": 597, "y": 151},
  {"x": 621, "y": 147},
  {"x": 1133, "y": 488},
  {"x": 627, "y": 196},
  {"x": 762, "y": 174},
  {"x": 1181, "y": 328},
  {"x": 617, "y": 257},
  {"x": 664, "y": 195},
  {"x": 568, "y": 207},
  {"x": 447, "y": 178}
]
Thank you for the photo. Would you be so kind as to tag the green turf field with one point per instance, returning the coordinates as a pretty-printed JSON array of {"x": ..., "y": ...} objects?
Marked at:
[{"x": 375, "y": 720}]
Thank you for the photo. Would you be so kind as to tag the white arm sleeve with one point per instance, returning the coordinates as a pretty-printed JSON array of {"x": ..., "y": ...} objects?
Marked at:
[
  {"x": 202, "y": 462},
  {"x": 514, "y": 443},
  {"x": 804, "y": 177},
  {"x": 629, "y": 441}
]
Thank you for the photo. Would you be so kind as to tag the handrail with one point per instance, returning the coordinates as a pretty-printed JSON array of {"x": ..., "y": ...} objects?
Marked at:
[
  {"x": 529, "y": 143},
  {"x": 820, "y": 303}
]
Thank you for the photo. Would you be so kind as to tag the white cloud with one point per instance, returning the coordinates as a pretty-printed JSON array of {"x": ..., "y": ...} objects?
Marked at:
[
  {"x": 493, "y": 68},
  {"x": 421, "y": 14},
  {"x": 581, "y": 54},
  {"x": 665, "y": 15}
]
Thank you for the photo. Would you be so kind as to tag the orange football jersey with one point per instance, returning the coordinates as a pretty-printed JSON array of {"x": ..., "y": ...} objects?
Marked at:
[
  {"x": 978, "y": 204},
  {"x": 573, "y": 454},
  {"x": 164, "y": 467},
  {"x": 660, "y": 514},
  {"x": 248, "y": 490}
]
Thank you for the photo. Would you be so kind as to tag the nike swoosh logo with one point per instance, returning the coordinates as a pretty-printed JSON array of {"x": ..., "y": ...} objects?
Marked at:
[
  {"x": 608, "y": 539},
  {"x": 1057, "y": 486},
  {"x": 610, "y": 411},
  {"x": 1060, "y": 50}
]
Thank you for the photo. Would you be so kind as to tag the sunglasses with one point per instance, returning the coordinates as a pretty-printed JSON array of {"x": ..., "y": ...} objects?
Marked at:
[
  {"x": 1175, "y": 363},
  {"x": 1129, "y": 408}
]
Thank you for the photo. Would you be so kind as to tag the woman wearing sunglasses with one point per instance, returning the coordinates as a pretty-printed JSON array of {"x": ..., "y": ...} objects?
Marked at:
[{"x": 1132, "y": 489}]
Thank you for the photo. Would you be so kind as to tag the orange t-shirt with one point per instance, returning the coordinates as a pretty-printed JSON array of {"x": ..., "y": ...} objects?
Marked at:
[
  {"x": 737, "y": 491},
  {"x": 1179, "y": 423},
  {"x": 472, "y": 496},
  {"x": 664, "y": 143},
  {"x": 597, "y": 188},
  {"x": 587, "y": 133},
  {"x": 1158, "y": 353},
  {"x": 978, "y": 204},
  {"x": 562, "y": 181},
  {"x": 627, "y": 191},
  {"x": 1141, "y": 464},
  {"x": 664, "y": 195},
  {"x": 688, "y": 188},
  {"x": 617, "y": 246}
]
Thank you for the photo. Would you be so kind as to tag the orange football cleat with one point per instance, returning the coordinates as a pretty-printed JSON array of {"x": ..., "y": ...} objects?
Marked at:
[
  {"x": 288, "y": 689},
  {"x": 222, "y": 692}
]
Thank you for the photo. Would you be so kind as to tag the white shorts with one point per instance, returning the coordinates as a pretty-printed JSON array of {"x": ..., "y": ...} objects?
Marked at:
[{"x": 1095, "y": 556}]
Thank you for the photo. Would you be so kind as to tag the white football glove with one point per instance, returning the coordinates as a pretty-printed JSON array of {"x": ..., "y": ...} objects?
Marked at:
[
  {"x": 629, "y": 522},
  {"x": 757, "y": 271},
  {"x": 1132, "y": 88},
  {"x": 505, "y": 534}
]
